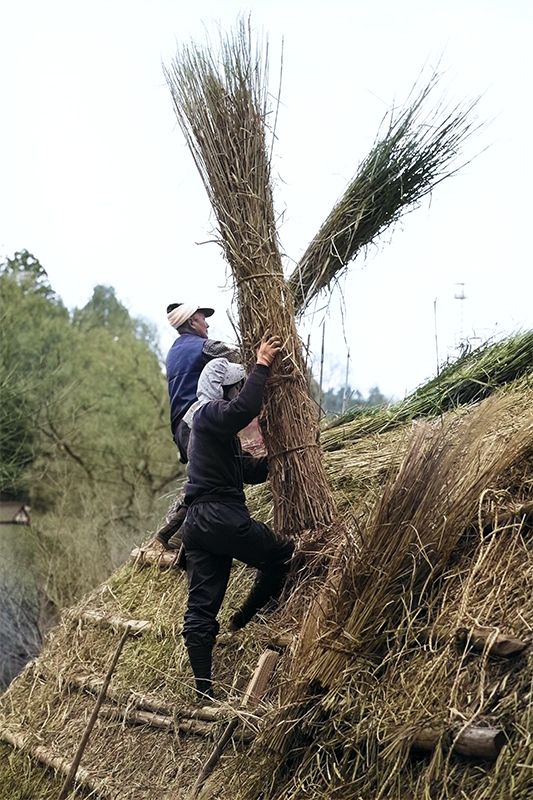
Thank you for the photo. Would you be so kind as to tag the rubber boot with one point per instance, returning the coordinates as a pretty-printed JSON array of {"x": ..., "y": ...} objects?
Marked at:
[
  {"x": 265, "y": 590},
  {"x": 200, "y": 657},
  {"x": 168, "y": 534}
]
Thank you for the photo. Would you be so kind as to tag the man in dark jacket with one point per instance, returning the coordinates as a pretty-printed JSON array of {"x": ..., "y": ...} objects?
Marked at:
[
  {"x": 218, "y": 526},
  {"x": 186, "y": 359}
]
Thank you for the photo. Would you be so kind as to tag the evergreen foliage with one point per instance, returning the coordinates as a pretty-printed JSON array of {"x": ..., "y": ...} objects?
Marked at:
[{"x": 84, "y": 430}]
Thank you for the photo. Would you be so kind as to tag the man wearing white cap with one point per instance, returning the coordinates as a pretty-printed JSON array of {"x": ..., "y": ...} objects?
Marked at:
[{"x": 186, "y": 359}]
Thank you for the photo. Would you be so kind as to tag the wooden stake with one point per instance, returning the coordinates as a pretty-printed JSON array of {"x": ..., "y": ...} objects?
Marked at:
[
  {"x": 92, "y": 719},
  {"x": 136, "y": 626},
  {"x": 254, "y": 691},
  {"x": 162, "y": 722},
  {"x": 479, "y": 639},
  {"x": 281, "y": 640},
  {"x": 259, "y": 681},
  {"x": 147, "y": 702},
  {"x": 489, "y": 639},
  {"x": 146, "y": 557}
]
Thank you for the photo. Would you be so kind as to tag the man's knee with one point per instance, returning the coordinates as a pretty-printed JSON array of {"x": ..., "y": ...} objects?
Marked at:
[
  {"x": 199, "y": 630},
  {"x": 280, "y": 558}
]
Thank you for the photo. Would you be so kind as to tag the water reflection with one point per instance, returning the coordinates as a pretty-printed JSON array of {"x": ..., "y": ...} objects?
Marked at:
[{"x": 25, "y": 613}]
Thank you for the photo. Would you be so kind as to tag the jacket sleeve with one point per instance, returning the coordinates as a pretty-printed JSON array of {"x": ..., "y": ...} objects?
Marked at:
[
  {"x": 254, "y": 470},
  {"x": 225, "y": 418}
]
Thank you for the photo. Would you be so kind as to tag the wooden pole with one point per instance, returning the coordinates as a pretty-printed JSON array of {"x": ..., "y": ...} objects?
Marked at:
[
  {"x": 321, "y": 370},
  {"x": 46, "y": 757},
  {"x": 136, "y": 626},
  {"x": 346, "y": 376},
  {"x": 147, "y": 702},
  {"x": 92, "y": 719},
  {"x": 254, "y": 691},
  {"x": 473, "y": 742},
  {"x": 162, "y": 722},
  {"x": 480, "y": 639},
  {"x": 489, "y": 639},
  {"x": 147, "y": 557}
]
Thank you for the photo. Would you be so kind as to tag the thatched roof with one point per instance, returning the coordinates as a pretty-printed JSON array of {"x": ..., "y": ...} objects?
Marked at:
[{"x": 438, "y": 566}]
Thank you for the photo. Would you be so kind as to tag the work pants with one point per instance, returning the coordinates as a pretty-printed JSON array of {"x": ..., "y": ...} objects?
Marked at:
[{"x": 213, "y": 535}]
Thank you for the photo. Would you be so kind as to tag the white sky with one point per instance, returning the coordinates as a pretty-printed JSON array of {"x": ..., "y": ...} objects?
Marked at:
[{"x": 96, "y": 180}]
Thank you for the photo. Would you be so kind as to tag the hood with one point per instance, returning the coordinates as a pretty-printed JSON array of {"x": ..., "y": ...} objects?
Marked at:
[{"x": 215, "y": 375}]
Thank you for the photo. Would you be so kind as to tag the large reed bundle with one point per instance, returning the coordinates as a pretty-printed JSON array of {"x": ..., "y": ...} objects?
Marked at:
[
  {"x": 425, "y": 510},
  {"x": 222, "y": 107},
  {"x": 418, "y": 151}
]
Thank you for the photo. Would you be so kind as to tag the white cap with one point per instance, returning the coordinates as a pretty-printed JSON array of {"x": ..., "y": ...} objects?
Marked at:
[{"x": 183, "y": 311}]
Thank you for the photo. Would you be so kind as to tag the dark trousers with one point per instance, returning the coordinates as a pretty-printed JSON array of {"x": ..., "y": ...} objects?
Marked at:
[{"x": 213, "y": 535}]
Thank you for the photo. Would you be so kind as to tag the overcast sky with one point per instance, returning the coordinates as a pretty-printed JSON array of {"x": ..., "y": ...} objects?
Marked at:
[{"x": 97, "y": 182}]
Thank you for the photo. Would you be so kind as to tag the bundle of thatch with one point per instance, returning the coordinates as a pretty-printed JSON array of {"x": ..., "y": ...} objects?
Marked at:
[
  {"x": 471, "y": 378},
  {"x": 419, "y": 149},
  {"x": 222, "y": 106}
]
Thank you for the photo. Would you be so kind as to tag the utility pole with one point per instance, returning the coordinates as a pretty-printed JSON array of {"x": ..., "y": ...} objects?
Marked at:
[
  {"x": 345, "y": 392},
  {"x": 460, "y": 295},
  {"x": 321, "y": 370}
]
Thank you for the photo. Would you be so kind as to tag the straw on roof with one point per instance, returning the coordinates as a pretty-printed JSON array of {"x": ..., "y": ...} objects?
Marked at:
[{"x": 379, "y": 676}]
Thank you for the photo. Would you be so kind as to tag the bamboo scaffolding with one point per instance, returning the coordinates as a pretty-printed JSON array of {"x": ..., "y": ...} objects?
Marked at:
[
  {"x": 49, "y": 759},
  {"x": 136, "y": 627}
]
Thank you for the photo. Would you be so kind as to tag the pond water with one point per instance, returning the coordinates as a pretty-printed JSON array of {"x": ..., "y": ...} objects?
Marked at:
[{"x": 20, "y": 600}]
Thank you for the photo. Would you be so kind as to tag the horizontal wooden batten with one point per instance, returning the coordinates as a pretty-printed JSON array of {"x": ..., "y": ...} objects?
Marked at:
[{"x": 472, "y": 742}]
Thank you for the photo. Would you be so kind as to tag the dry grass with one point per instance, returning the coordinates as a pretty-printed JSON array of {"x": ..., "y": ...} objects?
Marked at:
[
  {"x": 419, "y": 149},
  {"x": 364, "y": 681},
  {"x": 372, "y": 675}
]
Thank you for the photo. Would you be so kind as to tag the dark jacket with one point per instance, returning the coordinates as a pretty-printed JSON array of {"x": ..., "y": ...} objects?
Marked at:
[
  {"x": 218, "y": 468},
  {"x": 185, "y": 361}
]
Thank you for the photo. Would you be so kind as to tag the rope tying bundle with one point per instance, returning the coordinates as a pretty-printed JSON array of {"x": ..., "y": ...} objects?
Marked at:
[{"x": 292, "y": 450}]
